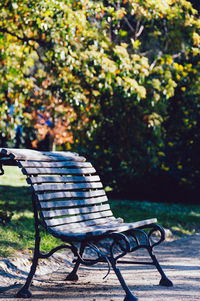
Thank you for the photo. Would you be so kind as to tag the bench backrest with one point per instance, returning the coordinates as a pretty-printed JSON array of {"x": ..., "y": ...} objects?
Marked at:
[{"x": 66, "y": 188}]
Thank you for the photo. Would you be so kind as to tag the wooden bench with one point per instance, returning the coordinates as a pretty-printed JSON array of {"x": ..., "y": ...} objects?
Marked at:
[{"x": 70, "y": 203}]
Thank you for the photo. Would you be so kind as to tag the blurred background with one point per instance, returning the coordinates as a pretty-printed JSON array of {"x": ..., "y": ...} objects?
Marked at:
[{"x": 116, "y": 81}]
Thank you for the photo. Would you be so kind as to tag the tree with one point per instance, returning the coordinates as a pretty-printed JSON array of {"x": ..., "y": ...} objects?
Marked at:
[
  {"x": 115, "y": 66},
  {"x": 154, "y": 50},
  {"x": 40, "y": 43}
]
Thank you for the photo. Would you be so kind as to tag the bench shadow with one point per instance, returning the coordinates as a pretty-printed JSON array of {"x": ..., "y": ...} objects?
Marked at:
[{"x": 78, "y": 291}]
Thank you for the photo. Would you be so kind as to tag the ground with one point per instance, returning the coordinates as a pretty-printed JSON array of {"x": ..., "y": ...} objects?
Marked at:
[{"x": 180, "y": 259}]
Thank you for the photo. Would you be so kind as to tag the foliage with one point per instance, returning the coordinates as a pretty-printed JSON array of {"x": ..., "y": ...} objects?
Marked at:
[
  {"x": 132, "y": 128},
  {"x": 38, "y": 43},
  {"x": 111, "y": 72},
  {"x": 182, "y": 145}
]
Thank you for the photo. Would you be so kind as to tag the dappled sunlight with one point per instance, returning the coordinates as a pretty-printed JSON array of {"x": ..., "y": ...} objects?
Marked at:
[{"x": 13, "y": 177}]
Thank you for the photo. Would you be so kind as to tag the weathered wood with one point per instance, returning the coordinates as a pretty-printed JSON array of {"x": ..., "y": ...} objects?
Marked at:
[
  {"x": 73, "y": 203},
  {"x": 78, "y": 218},
  {"x": 57, "y": 171},
  {"x": 62, "y": 179},
  {"x": 90, "y": 225},
  {"x": 70, "y": 194},
  {"x": 27, "y": 154},
  {"x": 64, "y": 187},
  {"x": 56, "y": 153},
  {"x": 122, "y": 227},
  {"x": 31, "y": 152},
  {"x": 73, "y": 211},
  {"x": 48, "y": 159},
  {"x": 93, "y": 222},
  {"x": 62, "y": 164},
  {"x": 86, "y": 229}
]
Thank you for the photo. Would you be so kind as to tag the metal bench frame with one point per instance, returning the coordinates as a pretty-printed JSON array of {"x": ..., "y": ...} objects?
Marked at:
[{"x": 126, "y": 237}]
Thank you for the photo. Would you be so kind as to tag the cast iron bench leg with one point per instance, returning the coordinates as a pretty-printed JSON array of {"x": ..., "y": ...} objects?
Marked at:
[
  {"x": 165, "y": 281},
  {"x": 24, "y": 292},
  {"x": 73, "y": 275},
  {"x": 129, "y": 296}
]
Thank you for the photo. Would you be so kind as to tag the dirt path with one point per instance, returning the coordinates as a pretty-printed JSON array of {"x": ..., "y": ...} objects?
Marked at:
[{"x": 180, "y": 260}]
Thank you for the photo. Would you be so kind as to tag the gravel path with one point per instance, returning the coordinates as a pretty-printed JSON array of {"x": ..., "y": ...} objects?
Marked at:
[{"x": 180, "y": 260}]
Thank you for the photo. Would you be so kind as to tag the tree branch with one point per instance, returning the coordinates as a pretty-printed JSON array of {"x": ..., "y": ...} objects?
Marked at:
[
  {"x": 24, "y": 38},
  {"x": 138, "y": 33},
  {"x": 129, "y": 24}
]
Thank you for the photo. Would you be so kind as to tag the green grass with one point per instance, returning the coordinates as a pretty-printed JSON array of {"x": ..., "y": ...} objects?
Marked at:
[
  {"x": 181, "y": 219},
  {"x": 15, "y": 198},
  {"x": 18, "y": 234}
]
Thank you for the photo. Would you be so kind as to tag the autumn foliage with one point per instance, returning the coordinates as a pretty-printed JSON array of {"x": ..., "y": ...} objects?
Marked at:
[{"x": 116, "y": 80}]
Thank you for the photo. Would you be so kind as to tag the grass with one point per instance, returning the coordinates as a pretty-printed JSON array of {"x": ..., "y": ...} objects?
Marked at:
[
  {"x": 181, "y": 219},
  {"x": 15, "y": 198},
  {"x": 18, "y": 233}
]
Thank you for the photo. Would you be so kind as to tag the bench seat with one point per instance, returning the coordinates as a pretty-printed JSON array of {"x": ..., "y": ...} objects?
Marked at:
[{"x": 68, "y": 233}]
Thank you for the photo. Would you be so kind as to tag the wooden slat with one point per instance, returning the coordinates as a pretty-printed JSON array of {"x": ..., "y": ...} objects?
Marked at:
[
  {"x": 82, "y": 232},
  {"x": 78, "y": 218},
  {"x": 119, "y": 225},
  {"x": 114, "y": 225},
  {"x": 28, "y": 154},
  {"x": 64, "y": 187},
  {"x": 57, "y": 171},
  {"x": 73, "y": 203},
  {"x": 54, "y": 164},
  {"x": 35, "y": 152},
  {"x": 103, "y": 225},
  {"x": 93, "y": 222},
  {"x": 73, "y": 211},
  {"x": 70, "y": 194},
  {"x": 62, "y": 179},
  {"x": 48, "y": 158},
  {"x": 56, "y": 153},
  {"x": 86, "y": 229}
]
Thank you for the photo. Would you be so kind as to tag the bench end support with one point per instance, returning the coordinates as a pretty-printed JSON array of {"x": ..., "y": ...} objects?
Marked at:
[
  {"x": 24, "y": 293},
  {"x": 130, "y": 298},
  {"x": 72, "y": 277},
  {"x": 165, "y": 282}
]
